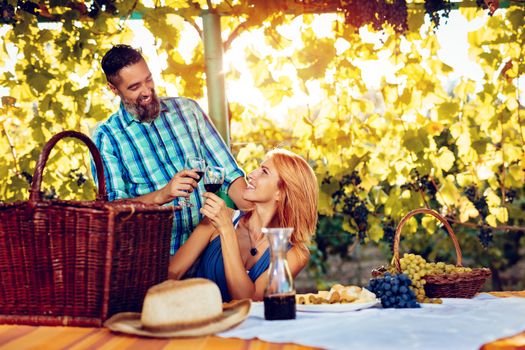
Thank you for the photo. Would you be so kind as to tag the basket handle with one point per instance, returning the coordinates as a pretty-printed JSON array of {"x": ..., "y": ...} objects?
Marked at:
[
  {"x": 397, "y": 235},
  {"x": 36, "y": 195}
]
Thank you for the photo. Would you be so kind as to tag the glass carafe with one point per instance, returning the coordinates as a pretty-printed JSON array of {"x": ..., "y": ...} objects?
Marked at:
[{"x": 279, "y": 295}]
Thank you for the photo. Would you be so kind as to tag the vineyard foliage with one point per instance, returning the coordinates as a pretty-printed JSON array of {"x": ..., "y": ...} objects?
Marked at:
[{"x": 426, "y": 136}]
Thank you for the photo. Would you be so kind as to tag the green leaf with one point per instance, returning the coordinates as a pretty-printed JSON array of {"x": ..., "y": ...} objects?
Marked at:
[
  {"x": 415, "y": 140},
  {"x": 515, "y": 16},
  {"x": 445, "y": 158},
  {"x": 429, "y": 223},
  {"x": 375, "y": 228},
  {"x": 416, "y": 18},
  {"x": 448, "y": 110},
  {"x": 39, "y": 81}
]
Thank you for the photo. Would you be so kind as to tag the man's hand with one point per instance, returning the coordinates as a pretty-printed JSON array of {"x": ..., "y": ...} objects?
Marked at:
[{"x": 181, "y": 185}]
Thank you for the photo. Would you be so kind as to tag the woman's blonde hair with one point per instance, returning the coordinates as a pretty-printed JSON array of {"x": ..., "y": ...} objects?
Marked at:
[{"x": 300, "y": 191}]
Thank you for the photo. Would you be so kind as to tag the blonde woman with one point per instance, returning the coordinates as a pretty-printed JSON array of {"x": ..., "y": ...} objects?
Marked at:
[{"x": 234, "y": 252}]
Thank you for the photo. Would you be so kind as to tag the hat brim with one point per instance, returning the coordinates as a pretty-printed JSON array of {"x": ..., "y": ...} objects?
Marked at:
[{"x": 233, "y": 314}]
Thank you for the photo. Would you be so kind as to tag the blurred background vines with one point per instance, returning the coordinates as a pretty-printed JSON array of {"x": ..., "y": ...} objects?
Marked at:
[{"x": 422, "y": 135}]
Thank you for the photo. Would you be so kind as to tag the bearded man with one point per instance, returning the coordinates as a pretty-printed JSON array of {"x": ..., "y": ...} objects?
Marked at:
[{"x": 145, "y": 143}]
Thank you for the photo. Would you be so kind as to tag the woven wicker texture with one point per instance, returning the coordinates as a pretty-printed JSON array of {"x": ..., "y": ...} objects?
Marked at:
[
  {"x": 78, "y": 262},
  {"x": 463, "y": 285}
]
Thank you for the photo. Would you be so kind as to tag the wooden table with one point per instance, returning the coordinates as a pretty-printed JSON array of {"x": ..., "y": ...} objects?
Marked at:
[
  {"x": 54, "y": 338},
  {"x": 43, "y": 338}
]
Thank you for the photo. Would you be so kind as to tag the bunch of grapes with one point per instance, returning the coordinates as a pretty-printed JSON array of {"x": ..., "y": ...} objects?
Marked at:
[
  {"x": 482, "y": 206},
  {"x": 360, "y": 215},
  {"x": 396, "y": 14},
  {"x": 359, "y": 13},
  {"x": 440, "y": 268},
  {"x": 480, "y": 202},
  {"x": 421, "y": 183},
  {"x": 510, "y": 195},
  {"x": 50, "y": 194},
  {"x": 471, "y": 192},
  {"x": 7, "y": 13},
  {"x": 353, "y": 206},
  {"x": 376, "y": 12},
  {"x": 427, "y": 185},
  {"x": 481, "y": 3},
  {"x": 29, "y": 7},
  {"x": 389, "y": 232},
  {"x": 416, "y": 267},
  {"x": 433, "y": 7},
  {"x": 78, "y": 176},
  {"x": 352, "y": 179},
  {"x": 485, "y": 236},
  {"x": 28, "y": 177},
  {"x": 394, "y": 291},
  {"x": 107, "y": 6},
  {"x": 348, "y": 179}
]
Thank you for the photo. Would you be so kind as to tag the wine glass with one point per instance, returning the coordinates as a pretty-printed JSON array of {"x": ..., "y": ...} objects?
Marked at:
[
  {"x": 197, "y": 164},
  {"x": 213, "y": 178}
]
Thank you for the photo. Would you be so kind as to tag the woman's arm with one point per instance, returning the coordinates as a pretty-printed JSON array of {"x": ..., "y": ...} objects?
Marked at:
[
  {"x": 239, "y": 283},
  {"x": 191, "y": 249},
  {"x": 296, "y": 262}
]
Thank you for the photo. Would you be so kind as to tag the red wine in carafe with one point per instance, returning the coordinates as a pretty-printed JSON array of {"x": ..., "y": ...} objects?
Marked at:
[{"x": 279, "y": 307}]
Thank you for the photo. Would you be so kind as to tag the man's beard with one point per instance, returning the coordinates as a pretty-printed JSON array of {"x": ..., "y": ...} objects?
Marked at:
[{"x": 146, "y": 113}]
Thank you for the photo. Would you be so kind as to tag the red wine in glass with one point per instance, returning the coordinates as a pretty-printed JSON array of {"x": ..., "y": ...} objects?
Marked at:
[
  {"x": 213, "y": 178},
  {"x": 212, "y": 187},
  {"x": 201, "y": 174},
  {"x": 198, "y": 165}
]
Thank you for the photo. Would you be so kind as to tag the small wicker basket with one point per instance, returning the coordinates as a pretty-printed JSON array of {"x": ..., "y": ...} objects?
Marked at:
[{"x": 454, "y": 285}]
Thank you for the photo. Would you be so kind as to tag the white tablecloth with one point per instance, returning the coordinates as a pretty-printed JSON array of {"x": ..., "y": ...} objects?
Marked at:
[{"x": 455, "y": 324}]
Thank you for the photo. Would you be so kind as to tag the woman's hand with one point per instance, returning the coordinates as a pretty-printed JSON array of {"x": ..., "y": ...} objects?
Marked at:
[{"x": 216, "y": 210}]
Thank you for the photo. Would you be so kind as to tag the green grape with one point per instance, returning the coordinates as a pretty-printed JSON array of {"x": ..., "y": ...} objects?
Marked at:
[{"x": 416, "y": 267}]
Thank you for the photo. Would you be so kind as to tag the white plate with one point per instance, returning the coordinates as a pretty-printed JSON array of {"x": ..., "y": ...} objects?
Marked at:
[{"x": 336, "y": 307}]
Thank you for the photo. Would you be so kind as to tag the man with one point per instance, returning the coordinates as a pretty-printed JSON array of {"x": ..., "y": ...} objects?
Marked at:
[{"x": 145, "y": 143}]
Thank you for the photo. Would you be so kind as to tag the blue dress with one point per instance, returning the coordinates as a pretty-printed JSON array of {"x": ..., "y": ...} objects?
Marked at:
[{"x": 212, "y": 265}]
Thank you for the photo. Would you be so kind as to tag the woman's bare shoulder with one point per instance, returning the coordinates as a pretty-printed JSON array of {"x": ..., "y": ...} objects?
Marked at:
[{"x": 301, "y": 253}]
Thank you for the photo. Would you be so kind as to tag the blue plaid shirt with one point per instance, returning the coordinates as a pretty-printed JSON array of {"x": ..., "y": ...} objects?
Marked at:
[{"x": 140, "y": 158}]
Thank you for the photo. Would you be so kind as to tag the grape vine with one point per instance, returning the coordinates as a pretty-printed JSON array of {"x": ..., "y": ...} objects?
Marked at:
[
  {"x": 367, "y": 157},
  {"x": 353, "y": 206},
  {"x": 7, "y": 12},
  {"x": 377, "y": 13},
  {"x": 437, "y": 9}
]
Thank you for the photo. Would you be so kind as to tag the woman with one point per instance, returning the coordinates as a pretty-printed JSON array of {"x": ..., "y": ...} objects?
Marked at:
[{"x": 235, "y": 254}]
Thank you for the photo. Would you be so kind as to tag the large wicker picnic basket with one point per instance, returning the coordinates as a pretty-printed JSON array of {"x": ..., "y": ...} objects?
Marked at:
[
  {"x": 76, "y": 263},
  {"x": 451, "y": 285}
]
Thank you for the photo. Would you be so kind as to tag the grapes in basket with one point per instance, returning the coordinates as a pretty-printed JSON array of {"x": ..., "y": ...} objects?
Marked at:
[
  {"x": 394, "y": 291},
  {"x": 416, "y": 268}
]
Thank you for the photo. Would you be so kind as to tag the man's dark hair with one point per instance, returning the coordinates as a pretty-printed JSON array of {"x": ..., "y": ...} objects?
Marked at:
[{"x": 118, "y": 57}]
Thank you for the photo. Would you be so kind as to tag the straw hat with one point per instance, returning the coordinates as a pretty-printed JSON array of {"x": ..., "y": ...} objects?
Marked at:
[{"x": 187, "y": 308}]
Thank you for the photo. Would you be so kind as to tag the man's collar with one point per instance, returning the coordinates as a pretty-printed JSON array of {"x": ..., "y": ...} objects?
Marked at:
[
  {"x": 127, "y": 118},
  {"x": 163, "y": 106}
]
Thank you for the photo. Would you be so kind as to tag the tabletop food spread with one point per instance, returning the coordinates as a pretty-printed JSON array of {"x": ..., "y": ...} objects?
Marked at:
[{"x": 456, "y": 323}]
